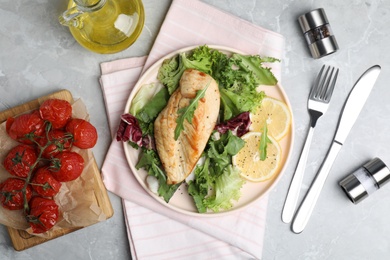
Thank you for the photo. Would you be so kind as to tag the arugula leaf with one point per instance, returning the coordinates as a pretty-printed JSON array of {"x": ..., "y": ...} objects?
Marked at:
[
  {"x": 164, "y": 190},
  {"x": 263, "y": 143},
  {"x": 187, "y": 113}
]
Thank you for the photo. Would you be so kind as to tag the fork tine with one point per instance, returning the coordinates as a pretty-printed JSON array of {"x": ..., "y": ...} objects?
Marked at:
[
  {"x": 324, "y": 85},
  {"x": 314, "y": 89},
  {"x": 331, "y": 88}
]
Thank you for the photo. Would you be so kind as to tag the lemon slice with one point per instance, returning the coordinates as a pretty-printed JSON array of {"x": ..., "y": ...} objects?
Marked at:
[
  {"x": 247, "y": 160},
  {"x": 275, "y": 114}
]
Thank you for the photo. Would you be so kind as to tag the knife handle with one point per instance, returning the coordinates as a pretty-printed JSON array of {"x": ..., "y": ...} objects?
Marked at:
[
  {"x": 295, "y": 187},
  {"x": 309, "y": 202}
]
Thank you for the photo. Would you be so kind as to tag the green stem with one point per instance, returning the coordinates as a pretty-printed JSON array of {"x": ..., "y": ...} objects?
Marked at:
[{"x": 32, "y": 167}]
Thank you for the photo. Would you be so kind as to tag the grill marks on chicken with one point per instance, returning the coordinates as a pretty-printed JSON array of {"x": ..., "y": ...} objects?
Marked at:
[{"x": 180, "y": 156}]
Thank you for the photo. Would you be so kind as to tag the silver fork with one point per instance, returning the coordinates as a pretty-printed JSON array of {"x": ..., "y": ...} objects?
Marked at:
[{"x": 318, "y": 103}]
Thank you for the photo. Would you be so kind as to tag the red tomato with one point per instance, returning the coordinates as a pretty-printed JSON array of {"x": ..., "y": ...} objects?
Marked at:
[
  {"x": 10, "y": 121},
  {"x": 56, "y": 111},
  {"x": 67, "y": 166},
  {"x": 26, "y": 127},
  {"x": 43, "y": 214},
  {"x": 84, "y": 133},
  {"x": 44, "y": 183},
  {"x": 11, "y": 194},
  {"x": 19, "y": 161},
  {"x": 59, "y": 141}
]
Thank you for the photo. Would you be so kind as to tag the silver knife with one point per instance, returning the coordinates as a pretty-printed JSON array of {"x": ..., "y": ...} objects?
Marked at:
[{"x": 352, "y": 107}]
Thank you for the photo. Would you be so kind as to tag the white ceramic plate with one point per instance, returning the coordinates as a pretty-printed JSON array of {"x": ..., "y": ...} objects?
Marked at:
[{"x": 181, "y": 201}]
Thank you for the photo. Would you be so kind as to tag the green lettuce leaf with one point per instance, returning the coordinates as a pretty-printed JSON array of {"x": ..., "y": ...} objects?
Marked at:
[
  {"x": 153, "y": 106},
  {"x": 226, "y": 189},
  {"x": 234, "y": 103},
  {"x": 199, "y": 187},
  {"x": 172, "y": 69},
  {"x": 143, "y": 96},
  {"x": 150, "y": 110},
  {"x": 254, "y": 64}
]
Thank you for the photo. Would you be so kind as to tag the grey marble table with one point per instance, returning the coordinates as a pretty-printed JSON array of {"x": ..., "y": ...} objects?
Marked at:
[{"x": 39, "y": 56}]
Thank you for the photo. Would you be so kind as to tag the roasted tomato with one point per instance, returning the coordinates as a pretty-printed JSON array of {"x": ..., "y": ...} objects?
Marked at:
[
  {"x": 11, "y": 193},
  {"x": 43, "y": 214},
  {"x": 56, "y": 111},
  {"x": 59, "y": 141},
  {"x": 44, "y": 183},
  {"x": 10, "y": 121},
  {"x": 67, "y": 166},
  {"x": 20, "y": 160},
  {"x": 26, "y": 127},
  {"x": 84, "y": 133}
]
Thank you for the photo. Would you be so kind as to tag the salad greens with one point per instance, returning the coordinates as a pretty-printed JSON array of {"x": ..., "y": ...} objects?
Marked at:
[
  {"x": 172, "y": 69},
  {"x": 146, "y": 106},
  {"x": 221, "y": 150},
  {"x": 143, "y": 96},
  {"x": 217, "y": 183},
  {"x": 226, "y": 188},
  {"x": 238, "y": 76},
  {"x": 151, "y": 163}
]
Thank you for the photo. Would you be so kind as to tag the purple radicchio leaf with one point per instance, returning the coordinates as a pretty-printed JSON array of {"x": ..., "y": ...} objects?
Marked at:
[
  {"x": 239, "y": 125},
  {"x": 129, "y": 130}
]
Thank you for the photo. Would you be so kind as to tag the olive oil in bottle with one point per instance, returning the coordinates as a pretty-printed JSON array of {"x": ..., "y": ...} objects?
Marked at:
[{"x": 104, "y": 26}]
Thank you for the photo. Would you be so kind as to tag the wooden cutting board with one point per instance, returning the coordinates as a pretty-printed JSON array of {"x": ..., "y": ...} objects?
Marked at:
[{"x": 21, "y": 239}]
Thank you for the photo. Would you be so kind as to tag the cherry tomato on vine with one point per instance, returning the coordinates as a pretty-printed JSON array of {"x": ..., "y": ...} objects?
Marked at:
[
  {"x": 11, "y": 193},
  {"x": 26, "y": 127},
  {"x": 20, "y": 160},
  {"x": 56, "y": 111},
  {"x": 43, "y": 214},
  {"x": 44, "y": 183},
  {"x": 67, "y": 166},
  {"x": 84, "y": 133},
  {"x": 59, "y": 141}
]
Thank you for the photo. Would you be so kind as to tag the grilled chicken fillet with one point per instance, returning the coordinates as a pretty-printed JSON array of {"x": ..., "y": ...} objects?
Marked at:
[{"x": 180, "y": 156}]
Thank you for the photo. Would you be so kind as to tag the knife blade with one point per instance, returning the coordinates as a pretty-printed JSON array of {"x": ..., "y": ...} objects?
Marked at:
[{"x": 350, "y": 112}]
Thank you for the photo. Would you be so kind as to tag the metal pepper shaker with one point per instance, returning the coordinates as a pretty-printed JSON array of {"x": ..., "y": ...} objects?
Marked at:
[{"x": 318, "y": 33}]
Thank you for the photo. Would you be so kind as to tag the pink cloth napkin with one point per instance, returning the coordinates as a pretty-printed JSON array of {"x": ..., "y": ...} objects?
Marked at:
[{"x": 155, "y": 231}]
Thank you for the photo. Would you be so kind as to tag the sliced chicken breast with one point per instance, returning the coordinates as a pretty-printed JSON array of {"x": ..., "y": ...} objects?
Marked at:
[{"x": 180, "y": 156}]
